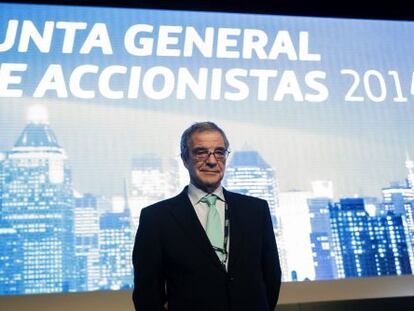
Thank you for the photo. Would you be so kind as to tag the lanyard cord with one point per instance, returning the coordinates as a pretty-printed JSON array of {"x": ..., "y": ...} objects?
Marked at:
[{"x": 226, "y": 236}]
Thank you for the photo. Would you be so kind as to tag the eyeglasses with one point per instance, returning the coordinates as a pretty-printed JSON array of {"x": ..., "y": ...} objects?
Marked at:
[{"x": 203, "y": 154}]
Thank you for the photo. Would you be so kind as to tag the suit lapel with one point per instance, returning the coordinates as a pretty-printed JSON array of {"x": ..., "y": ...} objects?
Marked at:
[
  {"x": 184, "y": 213},
  {"x": 236, "y": 229}
]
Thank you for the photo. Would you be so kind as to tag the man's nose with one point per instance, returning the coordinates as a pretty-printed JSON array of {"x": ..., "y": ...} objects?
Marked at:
[{"x": 211, "y": 159}]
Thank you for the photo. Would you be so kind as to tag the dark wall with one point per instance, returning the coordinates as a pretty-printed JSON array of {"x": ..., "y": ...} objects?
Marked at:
[{"x": 395, "y": 9}]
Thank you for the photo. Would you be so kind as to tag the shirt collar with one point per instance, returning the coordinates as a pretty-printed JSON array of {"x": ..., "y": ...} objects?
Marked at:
[{"x": 195, "y": 194}]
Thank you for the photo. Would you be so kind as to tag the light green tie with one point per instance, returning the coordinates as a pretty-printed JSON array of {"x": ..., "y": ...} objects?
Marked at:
[{"x": 214, "y": 228}]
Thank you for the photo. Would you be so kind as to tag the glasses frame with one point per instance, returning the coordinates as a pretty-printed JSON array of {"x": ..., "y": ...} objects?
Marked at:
[{"x": 205, "y": 156}]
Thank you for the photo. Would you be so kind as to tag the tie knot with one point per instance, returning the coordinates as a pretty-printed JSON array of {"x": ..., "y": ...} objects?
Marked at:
[{"x": 209, "y": 199}]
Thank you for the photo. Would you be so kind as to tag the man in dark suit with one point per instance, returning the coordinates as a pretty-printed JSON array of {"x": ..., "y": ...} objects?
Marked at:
[{"x": 207, "y": 249}]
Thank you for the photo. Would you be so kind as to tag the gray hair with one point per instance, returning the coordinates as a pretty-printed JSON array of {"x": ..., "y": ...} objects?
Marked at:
[{"x": 199, "y": 127}]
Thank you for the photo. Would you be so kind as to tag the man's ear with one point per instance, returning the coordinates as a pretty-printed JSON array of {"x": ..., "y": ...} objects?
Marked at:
[{"x": 185, "y": 161}]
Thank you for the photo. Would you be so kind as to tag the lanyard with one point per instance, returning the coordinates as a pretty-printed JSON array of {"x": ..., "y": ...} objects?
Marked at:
[{"x": 226, "y": 236}]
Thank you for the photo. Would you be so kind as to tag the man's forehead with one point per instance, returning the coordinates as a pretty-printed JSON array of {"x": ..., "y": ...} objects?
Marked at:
[{"x": 207, "y": 137}]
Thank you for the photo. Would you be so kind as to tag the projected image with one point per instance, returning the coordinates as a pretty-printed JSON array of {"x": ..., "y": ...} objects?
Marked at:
[{"x": 93, "y": 102}]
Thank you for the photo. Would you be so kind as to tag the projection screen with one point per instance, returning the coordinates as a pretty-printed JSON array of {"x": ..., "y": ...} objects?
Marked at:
[{"x": 93, "y": 101}]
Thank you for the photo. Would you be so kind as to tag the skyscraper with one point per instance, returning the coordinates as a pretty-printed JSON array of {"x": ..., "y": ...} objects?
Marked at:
[
  {"x": 11, "y": 260},
  {"x": 115, "y": 248},
  {"x": 321, "y": 235},
  {"x": 86, "y": 238},
  {"x": 409, "y": 164},
  {"x": 368, "y": 245},
  {"x": 392, "y": 250},
  {"x": 294, "y": 218},
  {"x": 321, "y": 238},
  {"x": 37, "y": 203},
  {"x": 153, "y": 178},
  {"x": 353, "y": 250},
  {"x": 247, "y": 173},
  {"x": 409, "y": 206},
  {"x": 399, "y": 199}
]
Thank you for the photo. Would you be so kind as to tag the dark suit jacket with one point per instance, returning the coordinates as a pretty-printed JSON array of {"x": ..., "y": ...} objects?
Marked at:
[{"x": 175, "y": 262}]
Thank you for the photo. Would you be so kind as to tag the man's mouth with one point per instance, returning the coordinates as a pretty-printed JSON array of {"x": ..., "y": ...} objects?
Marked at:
[{"x": 210, "y": 172}]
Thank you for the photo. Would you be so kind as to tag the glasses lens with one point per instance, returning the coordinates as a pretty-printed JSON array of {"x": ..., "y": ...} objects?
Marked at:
[
  {"x": 204, "y": 154},
  {"x": 220, "y": 154}
]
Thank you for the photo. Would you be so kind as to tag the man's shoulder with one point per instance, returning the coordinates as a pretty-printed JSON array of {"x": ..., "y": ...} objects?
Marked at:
[
  {"x": 248, "y": 207},
  {"x": 163, "y": 205}
]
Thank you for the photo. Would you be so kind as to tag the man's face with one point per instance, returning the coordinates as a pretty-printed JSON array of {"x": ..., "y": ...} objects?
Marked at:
[{"x": 206, "y": 171}]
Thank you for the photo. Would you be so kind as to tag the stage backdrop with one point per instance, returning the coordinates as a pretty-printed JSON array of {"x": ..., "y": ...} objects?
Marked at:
[{"x": 319, "y": 114}]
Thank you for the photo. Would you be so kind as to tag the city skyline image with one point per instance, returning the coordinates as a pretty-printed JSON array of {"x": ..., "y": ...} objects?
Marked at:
[
  {"x": 318, "y": 111},
  {"x": 95, "y": 232}
]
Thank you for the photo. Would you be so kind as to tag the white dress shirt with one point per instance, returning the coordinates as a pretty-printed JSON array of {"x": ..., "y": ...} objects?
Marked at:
[{"x": 195, "y": 194}]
